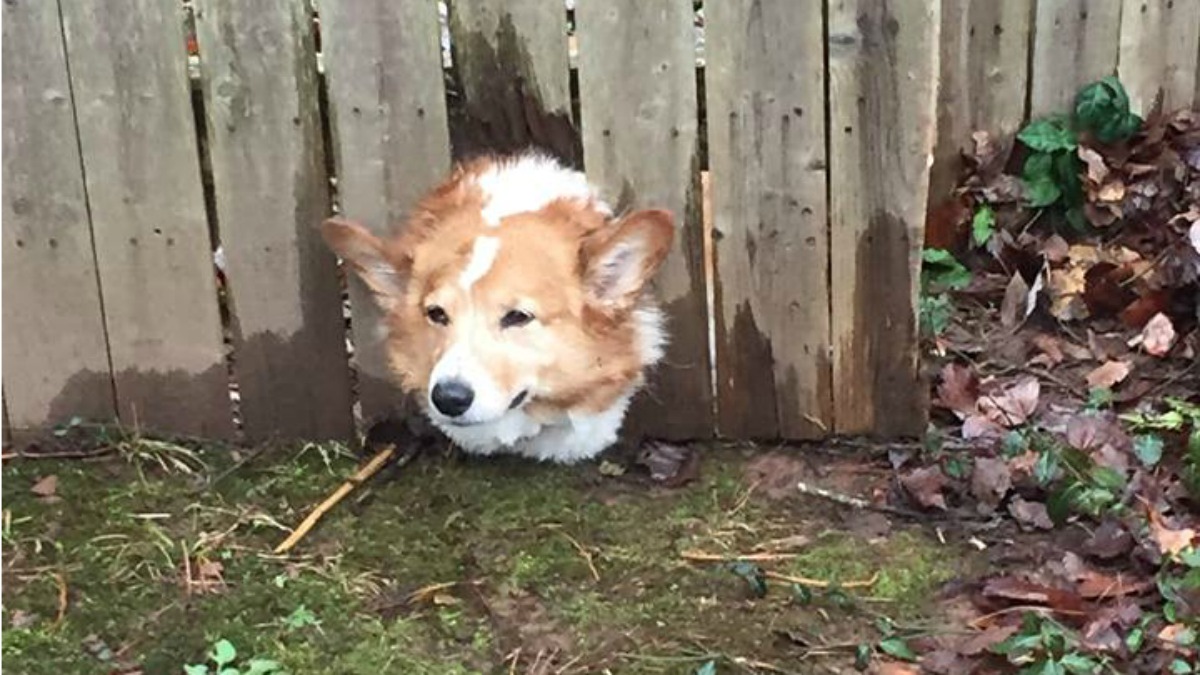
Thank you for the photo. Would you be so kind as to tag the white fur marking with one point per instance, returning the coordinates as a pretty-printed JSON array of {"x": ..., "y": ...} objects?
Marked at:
[
  {"x": 528, "y": 183},
  {"x": 483, "y": 255}
]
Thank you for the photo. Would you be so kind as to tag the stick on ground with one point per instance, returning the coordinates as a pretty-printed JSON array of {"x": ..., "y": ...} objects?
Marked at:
[{"x": 365, "y": 472}]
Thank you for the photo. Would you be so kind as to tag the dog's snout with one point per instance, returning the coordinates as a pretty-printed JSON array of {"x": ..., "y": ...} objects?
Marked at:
[{"x": 452, "y": 397}]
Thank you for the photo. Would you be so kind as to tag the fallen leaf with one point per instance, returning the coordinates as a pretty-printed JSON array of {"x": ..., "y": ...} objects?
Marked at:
[
  {"x": 1097, "y": 171},
  {"x": 959, "y": 389},
  {"x": 1178, "y": 634},
  {"x": 669, "y": 464},
  {"x": 1014, "y": 405},
  {"x": 925, "y": 485},
  {"x": 1139, "y": 312},
  {"x": 895, "y": 668},
  {"x": 1158, "y": 336},
  {"x": 1016, "y": 306},
  {"x": 1030, "y": 513},
  {"x": 1066, "y": 288},
  {"x": 990, "y": 481},
  {"x": 790, "y": 543},
  {"x": 1108, "y": 374},
  {"x": 984, "y": 640},
  {"x": 45, "y": 487},
  {"x": 1170, "y": 541},
  {"x": 1049, "y": 345},
  {"x": 1095, "y": 584},
  {"x": 1028, "y": 592},
  {"x": 22, "y": 619},
  {"x": 1110, "y": 540},
  {"x": 1055, "y": 248},
  {"x": 1112, "y": 191}
]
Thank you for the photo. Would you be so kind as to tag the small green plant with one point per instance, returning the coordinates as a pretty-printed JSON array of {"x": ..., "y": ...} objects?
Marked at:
[
  {"x": 301, "y": 617},
  {"x": 983, "y": 225},
  {"x": 1052, "y": 168},
  {"x": 940, "y": 272},
  {"x": 223, "y": 660},
  {"x": 1044, "y": 646}
]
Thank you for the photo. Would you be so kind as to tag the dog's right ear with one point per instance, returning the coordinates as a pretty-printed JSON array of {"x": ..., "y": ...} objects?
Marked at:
[{"x": 365, "y": 254}]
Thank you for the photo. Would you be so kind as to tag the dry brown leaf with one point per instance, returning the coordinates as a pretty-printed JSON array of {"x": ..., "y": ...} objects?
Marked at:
[
  {"x": 46, "y": 487},
  {"x": 1108, "y": 374},
  {"x": 1055, "y": 248},
  {"x": 1016, "y": 306},
  {"x": 1171, "y": 633},
  {"x": 1049, "y": 346},
  {"x": 990, "y": 481},
  {"x": 1012, "y": 406},
  {"x": 1095, "y": 584},
  {"x": 1030, "y": 513},
  {"x": 925, "y": 485},
  {"x": 1112, "y": 191},
  {"x": 1158, "y": 336},
  {"x": 1171, "y": 542},
  {"x": 1096, "y": 169},
  {"x": 959, "y": 389},
  {"x": 1066, "y": 288}
]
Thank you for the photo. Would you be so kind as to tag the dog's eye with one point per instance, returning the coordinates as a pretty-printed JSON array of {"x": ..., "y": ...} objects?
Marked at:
[
  {"x": 514, "y": 318},
  {"x": 437, "y": 315}
]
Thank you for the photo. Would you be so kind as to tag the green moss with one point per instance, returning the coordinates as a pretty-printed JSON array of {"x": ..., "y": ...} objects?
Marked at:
[{"x": 500, "y": 529}]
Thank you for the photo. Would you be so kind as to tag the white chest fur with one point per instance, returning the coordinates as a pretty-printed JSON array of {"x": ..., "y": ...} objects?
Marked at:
[{"x": 569, "y": 439}]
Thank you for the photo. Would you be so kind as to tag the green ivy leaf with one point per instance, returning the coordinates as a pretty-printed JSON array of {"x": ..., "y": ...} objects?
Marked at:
[
  {"x": 1135, "y": 640},
  {"x": 935, "y": 312},
  {"x": 898, "y": 648},
  {"x": 1046, "y": 467},
  {"x": 1042, "y": 192},
  {"x": 1181, "y": 667},
  {"x": 1102, "y": 107},
  {"x": 709, "y": 668},
  {"x": 942, "y": 268},
  {"x": 1149, "y": 449},
  {"x": 1079, "y": 664},
  {"x": 1048, "y": 135},
  {"x": 983, "y": 225},
  {"x": 223, "y": 653},
  {"x": 862, "y": 657},
  {"x": 1066, "y": 176},
  {"x": 753, "y": 575},
  {"x": 200, "y": 669}
]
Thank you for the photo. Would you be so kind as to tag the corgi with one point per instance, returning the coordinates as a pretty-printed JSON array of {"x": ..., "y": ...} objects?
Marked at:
[{"x": 517, "y": 308}]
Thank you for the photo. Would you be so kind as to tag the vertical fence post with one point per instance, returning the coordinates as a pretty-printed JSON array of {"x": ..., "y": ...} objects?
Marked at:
[
  {"x": 259, "y": 73},
  {"x": 56, "y": 358},
  {"x": 128, "y": 65},
  {"x": 765, "y": 86},
  {"x": 883, "y": 65}
]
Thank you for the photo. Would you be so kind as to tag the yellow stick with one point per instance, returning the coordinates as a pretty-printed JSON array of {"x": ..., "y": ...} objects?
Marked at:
[{"x": 369, "y": 469}]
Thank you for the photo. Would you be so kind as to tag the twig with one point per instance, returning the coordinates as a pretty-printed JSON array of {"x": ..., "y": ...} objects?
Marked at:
[
  {"x": 980, "y": 620},
  {"x": 857, "y": 502},
  {"x": 819, "y": 583},
  {"x": 61, "y": 580},
  {"x": 585, "y": 554},
  {"x": 369, "y": 469},
  {"x": 66, "y": 454},
  {"x": 701, "y": 556}
]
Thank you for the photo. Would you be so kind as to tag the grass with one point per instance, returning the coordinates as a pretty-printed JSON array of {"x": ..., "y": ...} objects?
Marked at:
[{"x": 505, "y": 539}]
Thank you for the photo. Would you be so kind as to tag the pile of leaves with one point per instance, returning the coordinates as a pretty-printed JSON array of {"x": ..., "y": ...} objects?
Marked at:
[{"x": 1060, "y": 305}]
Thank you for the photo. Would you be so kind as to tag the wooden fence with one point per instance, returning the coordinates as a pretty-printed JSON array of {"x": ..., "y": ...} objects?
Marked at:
[{"x": 823, "y": 127}]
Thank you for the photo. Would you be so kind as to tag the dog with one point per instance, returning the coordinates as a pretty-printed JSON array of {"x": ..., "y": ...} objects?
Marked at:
[{"x": 517, "y": 306}]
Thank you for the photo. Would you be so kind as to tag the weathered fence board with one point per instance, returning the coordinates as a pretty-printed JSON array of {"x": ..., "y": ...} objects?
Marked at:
[
  {"x": 765, "y": 86},
  {"x": 883, "y": 63},
  {"x": 984, "y": 67},
  {"x": 1074, "y": 43},
  {"x": 388, "y": 114},
  {"x": 259, "y": 75},
  {"x": 138, "y": 141},
  {"x": 637, "y": 85},
  {"x": 1157, "y": 52},
  {"x": 511, "y": 59},
  {"x": 56, "y": 358}
]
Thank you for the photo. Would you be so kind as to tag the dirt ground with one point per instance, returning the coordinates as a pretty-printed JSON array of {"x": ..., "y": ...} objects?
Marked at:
[{"x": 144, "y": 559}]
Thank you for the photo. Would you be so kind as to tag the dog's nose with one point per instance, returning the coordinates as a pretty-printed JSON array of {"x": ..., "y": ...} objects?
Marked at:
[{"x": 452, "y": 397}]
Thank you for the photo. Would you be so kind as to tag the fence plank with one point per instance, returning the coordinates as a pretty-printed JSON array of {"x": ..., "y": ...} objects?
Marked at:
[
  {"x": 765, "y": 90},
  {"x": 1157, "y": 52},
  {"x": 260, "y": 85},
  {"x": 57, "y": 358},
  {"x": 984, "y": 66},
  {"x": 883, "y": 64},
  {"x": 637, "y": 84},
  {"x": 138, "y": 140},
  {"x": 511, "y": 59},
  {"x": 1074, "y": 43},
  {"x": 391, "y": 144}
]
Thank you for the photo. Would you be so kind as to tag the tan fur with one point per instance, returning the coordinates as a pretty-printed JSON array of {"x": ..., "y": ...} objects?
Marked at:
[{"x": 582, "y": 349}]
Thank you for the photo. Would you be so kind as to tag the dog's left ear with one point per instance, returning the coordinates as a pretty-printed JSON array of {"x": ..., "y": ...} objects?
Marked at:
[{"x": 620, "y": 260}]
